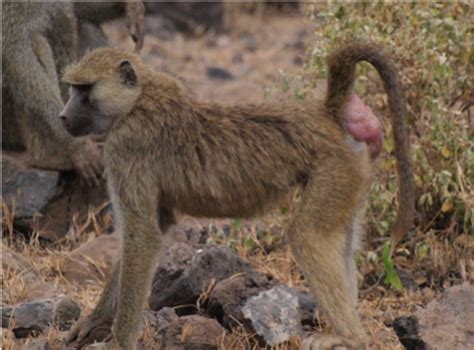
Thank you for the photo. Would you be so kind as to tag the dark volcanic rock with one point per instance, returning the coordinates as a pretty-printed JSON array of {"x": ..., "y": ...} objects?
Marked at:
[
  {"x": 192, "y": 333},
  {"x": 35, "y": 316},
  {"x": 219, "y": 73},
  {"x": 445, "y": 323},
  {"x": 407, "y": 331},
  {"x": 185, "y": 272},
  {"x": 26, "y": 191},
  {"x": 229, "y": 295}
]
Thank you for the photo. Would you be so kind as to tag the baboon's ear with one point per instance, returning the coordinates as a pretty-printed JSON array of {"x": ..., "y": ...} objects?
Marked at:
[{"x": 127, "y": 73}]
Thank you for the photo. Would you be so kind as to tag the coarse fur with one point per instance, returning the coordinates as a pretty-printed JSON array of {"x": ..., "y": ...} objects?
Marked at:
[
  {"x": 91, "y": 15},
  {"x": 39, "y": 41},
  {"x": 166, "y": 151}
]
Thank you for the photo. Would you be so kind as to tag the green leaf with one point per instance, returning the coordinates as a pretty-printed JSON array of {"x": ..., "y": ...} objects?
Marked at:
[{"x": 391, "y": 277}]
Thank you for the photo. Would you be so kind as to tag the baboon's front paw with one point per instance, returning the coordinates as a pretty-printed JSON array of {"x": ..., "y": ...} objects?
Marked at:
[
  {"x": 88, "y": 330},
  {"x": 323, "y": 342}
]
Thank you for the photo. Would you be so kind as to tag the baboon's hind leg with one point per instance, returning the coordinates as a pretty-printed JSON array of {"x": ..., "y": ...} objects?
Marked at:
[{"x": 319, "y": 236}]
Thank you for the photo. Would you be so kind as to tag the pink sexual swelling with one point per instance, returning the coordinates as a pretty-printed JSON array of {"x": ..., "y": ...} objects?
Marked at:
[{"x": 363, "y": 125}]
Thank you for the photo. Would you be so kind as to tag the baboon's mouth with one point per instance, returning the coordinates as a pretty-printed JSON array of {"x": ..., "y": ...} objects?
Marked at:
[{"x": 81, "y": 127}]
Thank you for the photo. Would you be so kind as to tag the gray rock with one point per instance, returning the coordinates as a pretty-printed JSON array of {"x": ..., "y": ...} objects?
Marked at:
[
  {"x": 37, "y": 344},
  {"x": 219, "y": 73},
  {"x": 26, "y": 191},
  {"x": 186, "y": 271},
  {"x": 35, "y": 316},
  {"x": 229, "y": 295},
  {"x": 192, "y": 332},
  {"x": 445, "y": 323},
  {"x": 44, "y": 200},
  {"x": 275, "y": 315}
]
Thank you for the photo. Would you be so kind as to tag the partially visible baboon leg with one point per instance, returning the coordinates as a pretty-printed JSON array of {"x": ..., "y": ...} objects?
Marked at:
[
  {"x": 97, "y": 326},
  {"x": 136, "y": 210},
  {"x": 319, "y": 238}
]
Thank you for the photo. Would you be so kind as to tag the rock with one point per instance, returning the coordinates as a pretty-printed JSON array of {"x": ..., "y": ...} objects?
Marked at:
[
  {"x": 190, "y": 17},
  {"x": 192, "y": 332},
  {"x": 249, "y": 41},
  {"x": 274, "y": 314},
  {"x": 74, "y": 197},
  {"x": 307, "y": 306},
  {"x": 93, "y": 260},
  {"x": 185, "y": 272},
  {"x": 407, "y": 331},
  {"x": 35, "y": 316},
  {"x": 229, "y": 295},
  {"x": 43, "y": 201},
  {"x": 219, "y": 73},
  {"x": 445, "y": 323},
  {"x": 36, "y": 344},
  {"x": 159, "y": 320},
  {"x": 26, "y": 191}
]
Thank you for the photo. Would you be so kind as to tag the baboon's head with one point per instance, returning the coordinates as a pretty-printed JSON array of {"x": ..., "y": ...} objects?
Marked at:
[{"x": 104, "y": 86}]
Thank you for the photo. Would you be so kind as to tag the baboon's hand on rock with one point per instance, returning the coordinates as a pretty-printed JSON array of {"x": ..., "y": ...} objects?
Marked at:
[
  {"x": 136, "y": 22},
  {"x": 86, "y": 158},
  {"x": 88, "y": 330}
]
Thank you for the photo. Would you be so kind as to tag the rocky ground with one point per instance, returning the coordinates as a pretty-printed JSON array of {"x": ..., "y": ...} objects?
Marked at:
[{"x": 229, "y": 284}]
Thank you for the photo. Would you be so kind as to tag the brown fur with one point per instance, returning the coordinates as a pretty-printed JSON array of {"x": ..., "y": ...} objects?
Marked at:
[
  {"x": 38, "y": 41},
  {"x": 91, "y": 15},
  {"x": 166, "y": 151}
]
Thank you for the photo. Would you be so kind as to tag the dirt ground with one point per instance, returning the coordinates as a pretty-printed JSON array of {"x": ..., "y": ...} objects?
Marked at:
[{"x": 255, "y": 56}]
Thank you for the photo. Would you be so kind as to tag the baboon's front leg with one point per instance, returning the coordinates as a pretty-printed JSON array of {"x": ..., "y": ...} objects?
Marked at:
[
  {"x": 136, "y": 209},
  {"x": 97, "y": 326},
  {"x": 319, "y": 239}
]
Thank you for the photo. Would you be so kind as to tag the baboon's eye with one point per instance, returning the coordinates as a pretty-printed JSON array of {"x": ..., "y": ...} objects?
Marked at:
[{"x": 83, "y": 87}]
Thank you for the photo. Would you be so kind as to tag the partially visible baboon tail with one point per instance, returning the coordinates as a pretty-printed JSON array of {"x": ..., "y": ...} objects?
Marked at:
[{"x": 341, "y": 78}]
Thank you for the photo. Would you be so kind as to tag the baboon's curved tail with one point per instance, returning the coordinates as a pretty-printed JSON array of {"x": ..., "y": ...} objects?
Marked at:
[{"x": 342, "y": 65}]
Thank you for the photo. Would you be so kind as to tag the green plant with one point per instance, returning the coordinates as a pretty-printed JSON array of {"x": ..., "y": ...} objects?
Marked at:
[{"x": 432, "y": 45}]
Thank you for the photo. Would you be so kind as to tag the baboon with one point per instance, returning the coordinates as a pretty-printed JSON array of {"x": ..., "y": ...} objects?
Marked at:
[
  {"x": 166, "y": 151},
  {"x": 31, "y": 58},
  {"x": 39, "y": 40},
  {"x": 90, "y": 16}
]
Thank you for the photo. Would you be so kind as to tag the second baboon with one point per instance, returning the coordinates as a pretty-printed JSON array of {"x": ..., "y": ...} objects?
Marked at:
[
  {"x": 91, "y": 15},
  {"x": 166, "y": 151},
  {"x": 39, "y": 40}
]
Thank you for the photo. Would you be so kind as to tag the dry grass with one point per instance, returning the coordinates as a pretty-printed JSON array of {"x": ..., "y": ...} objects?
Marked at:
[{"x": 437, "y": 255}]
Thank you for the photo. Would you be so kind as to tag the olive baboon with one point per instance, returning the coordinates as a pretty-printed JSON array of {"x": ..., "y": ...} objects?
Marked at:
[
  {"x": 39, "y": 40},
  {"x": 166, "y": 151}
]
